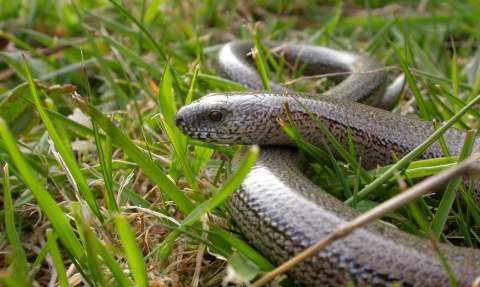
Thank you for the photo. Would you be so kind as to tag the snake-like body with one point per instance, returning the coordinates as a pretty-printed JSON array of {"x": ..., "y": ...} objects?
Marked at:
[{"x": 281, "y": 212}]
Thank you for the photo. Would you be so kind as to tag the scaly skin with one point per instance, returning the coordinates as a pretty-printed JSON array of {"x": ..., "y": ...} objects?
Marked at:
[{"x": 281, "y": 212}]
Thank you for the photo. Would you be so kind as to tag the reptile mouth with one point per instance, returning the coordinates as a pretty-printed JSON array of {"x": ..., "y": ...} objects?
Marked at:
[{"x": 207, "y": 136}]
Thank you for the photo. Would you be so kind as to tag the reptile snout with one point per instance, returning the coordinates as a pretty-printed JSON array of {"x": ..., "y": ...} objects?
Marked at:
[{"x": 179, "y": 120}]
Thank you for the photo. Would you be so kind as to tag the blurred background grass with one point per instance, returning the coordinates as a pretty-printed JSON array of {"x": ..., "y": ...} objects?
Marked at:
[{"x": 135, "y": 59}]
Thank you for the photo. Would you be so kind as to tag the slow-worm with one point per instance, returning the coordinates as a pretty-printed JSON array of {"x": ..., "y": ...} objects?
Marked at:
[{"x": 277, "y": 207}]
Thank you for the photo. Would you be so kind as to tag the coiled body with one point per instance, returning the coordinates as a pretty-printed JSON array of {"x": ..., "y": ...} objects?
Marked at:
[{"x": 281, "y": 212}]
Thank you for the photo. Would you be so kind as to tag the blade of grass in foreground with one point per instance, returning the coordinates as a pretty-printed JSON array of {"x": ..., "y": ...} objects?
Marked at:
[
  {"x": 448, "y": 198},
  {"x": 10, "y": 282},
  {"x": 132, "y": 250},
  {"x": 94, "y": 262},
  {"x": 71, "y": 166},
  {"x": 104, "y": 156},
  {"x": 60, "y": 128},
  {"x": 120, "y": 277},
  {"x": 177, "y": 139},
  {"x": 57, "y": 258},
  {"x": 412, "y": 84},
  {"x": 202, "y": 154},
  {"x": 179, "y": 144},
  {"x": 417, "y": 169},
  {"x": 241, "y": 246},
  {"x": 48, "y": 205},
  {"x": 20, "y": 265},
  {"x": 259, "y": 61},
  {"x": 220, "y": 83}
]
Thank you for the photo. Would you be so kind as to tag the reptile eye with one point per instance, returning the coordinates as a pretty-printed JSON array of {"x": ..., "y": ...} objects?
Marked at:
[{"x": 215, "y": 116}]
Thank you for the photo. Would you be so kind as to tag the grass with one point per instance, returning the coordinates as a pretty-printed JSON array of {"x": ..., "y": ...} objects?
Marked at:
[{"x": 125, "y": 198}]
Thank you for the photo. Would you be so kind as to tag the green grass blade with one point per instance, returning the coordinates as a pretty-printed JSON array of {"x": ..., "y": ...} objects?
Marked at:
[
  {"x": 120, "y": 278},
  {"x": 180, "y": 151},
  {"x": 340, "y": 175},
  {"x": 104, "y": 157},
  {"x": 412, "y": 84},
  {"x": 332, "y": 24},
  {"x": 461, "y": 223},
  {"x": 448, "y": 198},
  {"x": 357, "y": 184},
  {"x": 202, "y": 156},
  {"x": 240, "y": 245},
  {"x": 60, "y": 128},
  {"x": 94, "y": 263},
  {"x": 416, "y": 169},
  {"x": 108, "y": 174},
  {"x": 8, "y": 281},
  {"x": 458, "y": 102},
  {"x": 439, "y": 78},
  {"x": 66, "y": 156},
  {"x": 41, "y": 256},
  {"x": 79, "y": 128},
  {"x": 23, "y": 45},
  {"x": 454, "y": 70},
  {"x": 271, "y": 60},
  {"x": 147, "y": 34},
  {"x": 441, "y": 140},
  {"x": 166, "y": 98},
  {"x": 446, "y": 109},
  {"x": 68, "y": 69},
  {"x": 120, "y": 97},
  {"x": 353, "y": 153},
  {"x": 220, "y": 83},
  {"x": 259, "y": 52},
  {"x": 241, "y": 268},
  {"x": 20, "y": 265},
  {"x": 189, "y": 97},
  {"x": 167, "y": 122},
  {"x": 424, "y": 57},
  {"x": 119, "y": 28},
  {"x": 259, "y": 60},
  {"x": 126, "y": 192},
  {"x": 57, "y": 258},
  {"x": 379, "y": 38},
  {"x": 14, "y": 109},
  {"x": 49, "y": 206},
  {"x": 132, "y": 250},
  {"x": 141, "y": 27},
  {"x": 132, "y": 56}
]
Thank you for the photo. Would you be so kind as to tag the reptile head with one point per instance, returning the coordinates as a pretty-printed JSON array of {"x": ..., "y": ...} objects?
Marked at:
[{"x": 230, "y": 118}]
